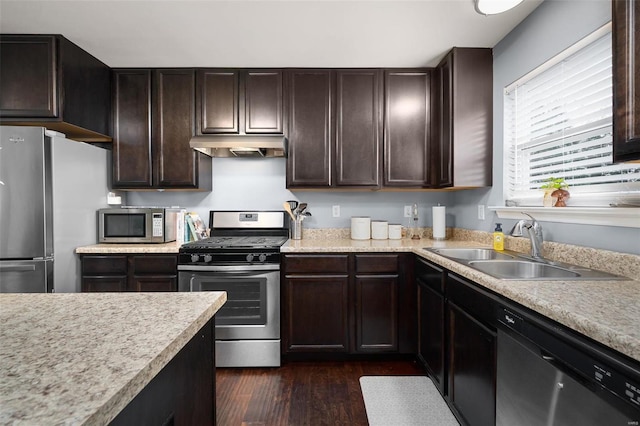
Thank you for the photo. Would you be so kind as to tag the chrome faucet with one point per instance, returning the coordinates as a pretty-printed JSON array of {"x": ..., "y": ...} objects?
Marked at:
[{"x": 535, "y": 234}]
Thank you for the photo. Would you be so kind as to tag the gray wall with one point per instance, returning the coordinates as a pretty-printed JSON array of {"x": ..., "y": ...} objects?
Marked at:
[
  {"x": 551, "y": 28},
  {"x": 247, "y": 184},
  {"x": 260, "y": 184}
]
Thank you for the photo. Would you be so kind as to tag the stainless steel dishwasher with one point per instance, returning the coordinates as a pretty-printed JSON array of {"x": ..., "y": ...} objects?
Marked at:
[{"x": 548, "y": 376}]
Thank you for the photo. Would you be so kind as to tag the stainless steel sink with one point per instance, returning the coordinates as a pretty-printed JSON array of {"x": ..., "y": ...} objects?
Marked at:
[
  {"x": 522, "y": 270},
  {"x": 471, "y": 253},
  {"x": 511, "y": 265}
]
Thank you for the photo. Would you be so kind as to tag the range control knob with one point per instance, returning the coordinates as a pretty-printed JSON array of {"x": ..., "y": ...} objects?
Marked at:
[
  {"x": 250, "y": 257},
  {"x": 262, "y": 257},
  {"x": 208, "y": 258},
  {"x": 195, "y": 258}
]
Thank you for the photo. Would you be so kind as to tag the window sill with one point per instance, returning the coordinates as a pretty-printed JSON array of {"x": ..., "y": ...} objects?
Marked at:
[{"x": 608, "y": 216}]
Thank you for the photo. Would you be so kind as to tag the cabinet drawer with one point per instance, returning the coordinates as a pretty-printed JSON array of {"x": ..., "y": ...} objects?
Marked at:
[
  {"x": 154, "y": 265},
  {"x": 104, "y": 265},
  {"x": 472, "y": 300},
  {"x": 376, "y": 264},
  {"x": 315, "y": 264},
  {"x": 431, "y": 275}
]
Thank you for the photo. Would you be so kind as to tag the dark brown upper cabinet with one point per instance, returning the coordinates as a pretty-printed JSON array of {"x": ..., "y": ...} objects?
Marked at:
[
  {"x": 49, "y": 81},
  {"x": 465, "y": 140},
  {"x": 154, "y": 119},
  {"x": 358, "y": 126},
  {"x": 310, "y": 96},
  {"x": 231, "y": 101},
  {"x": 626, "y": 81},
  {"x": 407, "y": 128},
  {"x": 335, "y": 128}
]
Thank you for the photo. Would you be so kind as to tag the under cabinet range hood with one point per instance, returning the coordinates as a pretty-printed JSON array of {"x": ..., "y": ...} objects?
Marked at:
[{"x": 241, "y": 145}]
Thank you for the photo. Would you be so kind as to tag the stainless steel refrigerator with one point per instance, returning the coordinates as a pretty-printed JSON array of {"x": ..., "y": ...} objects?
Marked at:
[{"x": 50, "y": 189}]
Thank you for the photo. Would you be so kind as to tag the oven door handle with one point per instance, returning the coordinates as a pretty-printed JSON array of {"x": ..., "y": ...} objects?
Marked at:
[{"x": 229, "y": 268}]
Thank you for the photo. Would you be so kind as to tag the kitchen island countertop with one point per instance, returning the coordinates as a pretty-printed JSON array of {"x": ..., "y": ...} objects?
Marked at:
[
  {"x": 605, "y": 311},
  {"x": 76, "y": 358}
]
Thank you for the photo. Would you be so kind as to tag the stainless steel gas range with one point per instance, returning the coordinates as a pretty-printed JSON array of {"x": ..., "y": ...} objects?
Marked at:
[{"x": 241, "y": 257}]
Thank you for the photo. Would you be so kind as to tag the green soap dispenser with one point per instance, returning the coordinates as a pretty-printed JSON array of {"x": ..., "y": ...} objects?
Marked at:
[{"x": 498, "y": 237}]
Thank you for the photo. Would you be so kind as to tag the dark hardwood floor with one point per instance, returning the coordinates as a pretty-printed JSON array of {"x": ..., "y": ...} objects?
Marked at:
[{"x": 299, "y": 393}]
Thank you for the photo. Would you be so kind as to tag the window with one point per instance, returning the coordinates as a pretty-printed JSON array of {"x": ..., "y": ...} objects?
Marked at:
[{"x": 558, "y": 123}]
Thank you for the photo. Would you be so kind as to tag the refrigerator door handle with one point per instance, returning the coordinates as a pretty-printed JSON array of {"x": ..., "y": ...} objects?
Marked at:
[{"x": 18, "y": 268}]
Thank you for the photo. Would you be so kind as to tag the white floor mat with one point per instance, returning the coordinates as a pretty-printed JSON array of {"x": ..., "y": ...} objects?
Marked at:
[{"x": 404, "y": 401}]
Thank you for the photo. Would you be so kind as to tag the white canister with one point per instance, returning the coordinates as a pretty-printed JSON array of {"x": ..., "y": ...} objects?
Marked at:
[
  {"x": 379, "y": 229},
  {"x": 395, "y": 231},
  {"x": 360, "y": 228}
]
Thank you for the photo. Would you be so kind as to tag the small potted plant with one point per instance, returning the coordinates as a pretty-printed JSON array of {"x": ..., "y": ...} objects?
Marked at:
[{"x": 555, "y": 192}]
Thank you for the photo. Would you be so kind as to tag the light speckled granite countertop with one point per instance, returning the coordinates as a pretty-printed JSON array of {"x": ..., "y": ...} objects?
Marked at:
[
  {"x": 172, "y": 247},
  {"x": 606, "y": 311},
  {"x": 80, "y": 358}
]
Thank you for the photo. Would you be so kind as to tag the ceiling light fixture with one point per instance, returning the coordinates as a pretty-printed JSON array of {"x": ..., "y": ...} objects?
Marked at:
[{"x": 492, "y": 7}]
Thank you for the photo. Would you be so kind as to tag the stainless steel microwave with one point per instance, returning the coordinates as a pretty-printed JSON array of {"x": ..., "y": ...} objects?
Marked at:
[{"x": 137, "y": 225}]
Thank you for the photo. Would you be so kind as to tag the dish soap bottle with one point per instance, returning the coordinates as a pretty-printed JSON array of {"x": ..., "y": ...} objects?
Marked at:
[{"x": 498, "y": 238}]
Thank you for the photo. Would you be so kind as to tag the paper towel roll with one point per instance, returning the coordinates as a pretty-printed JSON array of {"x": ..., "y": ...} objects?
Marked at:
[{"x": 439, "y": 222}]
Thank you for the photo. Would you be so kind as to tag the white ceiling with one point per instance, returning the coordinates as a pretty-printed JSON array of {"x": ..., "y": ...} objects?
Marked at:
[{"x": 263, "y": 33}]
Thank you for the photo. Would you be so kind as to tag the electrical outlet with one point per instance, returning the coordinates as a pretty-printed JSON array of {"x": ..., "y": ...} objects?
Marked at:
[
  {"x": 407, "y": 211},
  {"x": 480, "y": 212},
  {"x": 336, "y": 211}
]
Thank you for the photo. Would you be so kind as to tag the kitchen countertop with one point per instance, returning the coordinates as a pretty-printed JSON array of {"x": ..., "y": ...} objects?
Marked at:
[
  {"x": 171, "y": 247},
  {"x": 75, "y": 358},
  {"x": 606, "y": 311}
]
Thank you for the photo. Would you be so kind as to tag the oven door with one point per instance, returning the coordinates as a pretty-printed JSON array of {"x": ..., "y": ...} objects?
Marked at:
[{"x": 252, "y": 310}]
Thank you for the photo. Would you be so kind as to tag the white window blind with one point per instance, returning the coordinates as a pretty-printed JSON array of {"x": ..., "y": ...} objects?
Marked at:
[{"x": 558, "y": 123}]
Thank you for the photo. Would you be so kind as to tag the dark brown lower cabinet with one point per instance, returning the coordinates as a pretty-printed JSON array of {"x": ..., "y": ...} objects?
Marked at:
[
  {"x": 472, "y": 368},
  {"x": 183, "y": 392},
  {"x": 431, "y": 346},
  {"x": 316, "y": 319},
  {"x": 132, "y": 272},
  {"x": 376, "y": 302},
  {"x": 347, "y": 304},
  {"x": 430, "y": 280}
]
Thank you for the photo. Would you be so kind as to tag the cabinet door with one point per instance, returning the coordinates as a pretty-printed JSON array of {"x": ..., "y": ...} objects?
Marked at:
[
  {"x": 151, "y": 283},
  {"x": 29, "y": 83},
  {"x": 175, "y": 163},
  {"x": 263, "y": 101},
  {"x": 444, "y": 157},
  {"x": 104, "y": 284},
  {"x": 315, "y": 314},
  {"x": 358, "y": 127},
  {"x": 464, "y": 149},
  {"x": 472, "y": 368},
  {"x": 431, "y": 346},
  {"x": 132, "y": 163},
  {"x": 407, "y": 128},
  {"x": 626, "y": 80},
  {"x": 310, "y": 140},
  {"x": 376, "y": 313},
  {"x": 217, "y": 101}
]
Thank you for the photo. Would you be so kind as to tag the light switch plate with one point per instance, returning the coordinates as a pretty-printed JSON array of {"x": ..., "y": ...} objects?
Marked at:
[{"x": 480, "y": 212}]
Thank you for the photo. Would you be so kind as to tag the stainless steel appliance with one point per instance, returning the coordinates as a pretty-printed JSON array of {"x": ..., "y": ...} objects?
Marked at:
[
  {"x": 50, "y": 189},
  {"x": 549, "y": 377},
  {"x": 137, "y": 225},
  {"x": 241, "y": 257}
]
